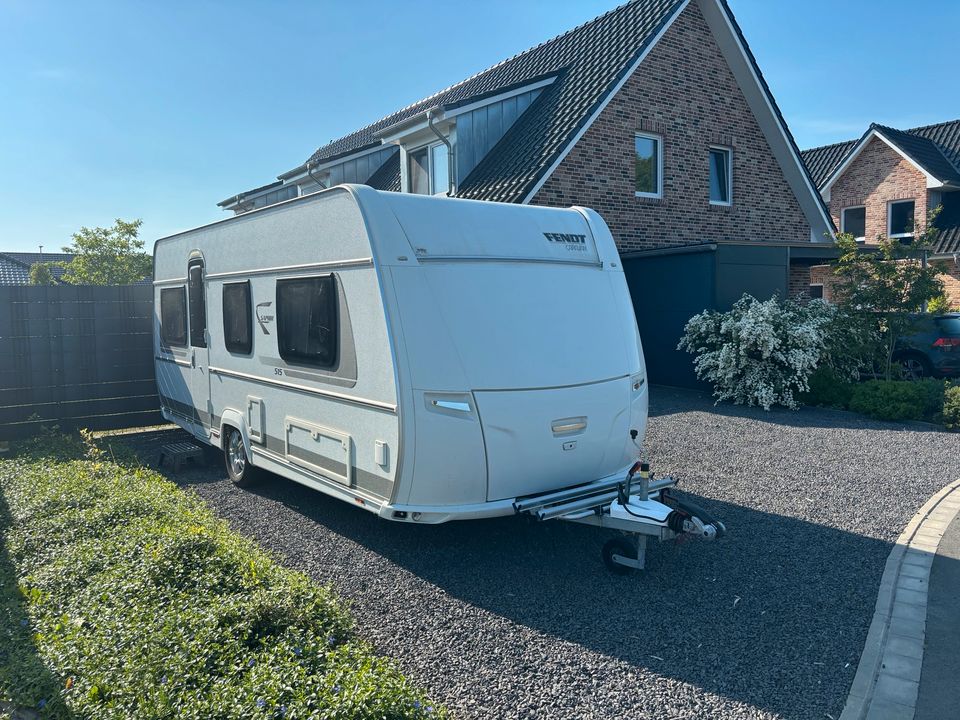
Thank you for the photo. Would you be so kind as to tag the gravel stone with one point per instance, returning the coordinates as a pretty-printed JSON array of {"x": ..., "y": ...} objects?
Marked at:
[{"x": 510, "y": 618}]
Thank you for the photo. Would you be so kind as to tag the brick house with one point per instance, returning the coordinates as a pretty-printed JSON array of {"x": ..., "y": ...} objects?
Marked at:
[
  {"x": 885, "y": 183},
  {"x": 655, "y": 114}
]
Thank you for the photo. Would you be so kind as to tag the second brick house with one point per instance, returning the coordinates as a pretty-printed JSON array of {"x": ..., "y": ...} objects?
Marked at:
[
  {"x": 886, "y": 182},
  {"x": 655, "y": 114}
]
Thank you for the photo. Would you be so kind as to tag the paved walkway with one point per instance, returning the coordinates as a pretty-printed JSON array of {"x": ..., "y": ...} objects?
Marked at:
[
  {"x": 911, "y": 657},
  {"x": 939, "y": 695}
]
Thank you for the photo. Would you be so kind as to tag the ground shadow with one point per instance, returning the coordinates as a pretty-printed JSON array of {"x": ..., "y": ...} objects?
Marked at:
[{"x": 775, "y": 615}]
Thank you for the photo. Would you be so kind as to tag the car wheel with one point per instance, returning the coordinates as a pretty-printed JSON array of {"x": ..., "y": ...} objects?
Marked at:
[
  {"x": 915, "y": 367},
  {"x": 241, "y": 472}
]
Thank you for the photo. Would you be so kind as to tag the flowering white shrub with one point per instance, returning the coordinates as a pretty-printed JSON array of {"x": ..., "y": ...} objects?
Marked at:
[{"x": 760, "y": 352}]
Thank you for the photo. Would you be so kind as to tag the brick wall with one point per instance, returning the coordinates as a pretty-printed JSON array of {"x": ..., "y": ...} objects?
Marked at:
[
  {"x": 823, "y": 275},
  {"x": 685, "y": 92},
  {"x": 951, "y": 282},
  {"x": 950, "y": 275},
  {"x": 798, "y": 282},
  {"x": 877, "y": 176}
]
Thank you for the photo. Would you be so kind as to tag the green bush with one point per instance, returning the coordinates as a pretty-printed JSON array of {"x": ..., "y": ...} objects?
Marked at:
[
  {"x": 123, "y": 596},
  {"x": 939, "y": 305},
  {"x": 828, "y": 389},
  {"x": 951, "y": 407},
  {"x": 900, "y": 399}
]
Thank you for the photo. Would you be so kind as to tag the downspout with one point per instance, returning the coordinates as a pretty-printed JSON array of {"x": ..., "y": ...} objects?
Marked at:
[
  {"x": 312, "y": 176},
  {"x": 451, "y": 155}
]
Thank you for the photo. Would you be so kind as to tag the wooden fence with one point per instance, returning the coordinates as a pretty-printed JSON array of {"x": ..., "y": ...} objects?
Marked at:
[{"x": 76, "y": 357}]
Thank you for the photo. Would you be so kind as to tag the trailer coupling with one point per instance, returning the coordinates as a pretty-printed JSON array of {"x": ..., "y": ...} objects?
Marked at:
[{"x": 639, "y": 510}]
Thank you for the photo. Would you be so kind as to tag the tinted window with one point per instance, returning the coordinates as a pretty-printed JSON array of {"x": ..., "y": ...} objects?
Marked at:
[
  {"x": 816, "y": 292},
  {"x": 237, "y": 318},
  {"x": 307, "y": 320},
  {"x": 854, "y": 221},
  {"x": 173, "y": 316},
  {"x": 720, "y": 176},
  {"x": 419, "y": 172},
  {"x": 647, "y": 167},
  {"x": 949, "y": 326},
  {"x": 198, "y": 310},
  {"x": 901, "y": 218}
]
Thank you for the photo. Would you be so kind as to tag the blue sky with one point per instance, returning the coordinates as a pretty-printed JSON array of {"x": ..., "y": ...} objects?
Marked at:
[{"x": 159, "y": 110}]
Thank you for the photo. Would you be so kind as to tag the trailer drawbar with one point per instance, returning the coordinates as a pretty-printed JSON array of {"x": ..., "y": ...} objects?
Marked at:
[{"x": 639, "y": 505}]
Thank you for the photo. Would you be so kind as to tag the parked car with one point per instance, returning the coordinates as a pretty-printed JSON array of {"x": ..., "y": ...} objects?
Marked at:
[{"x": 932, "y": 349}]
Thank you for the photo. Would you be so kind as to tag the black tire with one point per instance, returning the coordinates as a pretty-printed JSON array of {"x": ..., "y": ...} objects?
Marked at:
[
  {"x": 619, "y": 546},
  {"x": 241, "y": 472},
  {"x": 914, "y": 366}
]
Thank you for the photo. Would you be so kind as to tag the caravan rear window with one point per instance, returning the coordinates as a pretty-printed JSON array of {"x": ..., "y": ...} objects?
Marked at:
[
  {"x": 307, "y": 320},
  {"x": 173, "y": 316},
  {"x": 237, "y": 318}
]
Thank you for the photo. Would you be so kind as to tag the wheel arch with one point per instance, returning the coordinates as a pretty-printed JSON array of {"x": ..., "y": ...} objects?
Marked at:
[{"x": 233, "y": 419}]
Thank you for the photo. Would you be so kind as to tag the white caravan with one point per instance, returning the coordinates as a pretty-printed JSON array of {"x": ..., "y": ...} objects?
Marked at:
[{"x": 427, "y": 359}]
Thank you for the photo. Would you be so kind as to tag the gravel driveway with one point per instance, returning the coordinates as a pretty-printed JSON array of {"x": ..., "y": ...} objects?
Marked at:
[{"x": 513, "y": 619}]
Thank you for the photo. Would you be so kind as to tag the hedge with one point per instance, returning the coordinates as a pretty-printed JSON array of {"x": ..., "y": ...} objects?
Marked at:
[
  {"x": 123, "y": 596},
  {"x": 900, "y": 399}
]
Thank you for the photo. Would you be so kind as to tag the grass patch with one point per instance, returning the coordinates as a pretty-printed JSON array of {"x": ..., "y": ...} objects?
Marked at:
[{"x": 123, "y": 596}]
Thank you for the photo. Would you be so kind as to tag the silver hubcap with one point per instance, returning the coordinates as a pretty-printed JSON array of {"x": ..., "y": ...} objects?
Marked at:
[
  {"x": 913, "y": 369},
  {"x": 235, "y": 454}
]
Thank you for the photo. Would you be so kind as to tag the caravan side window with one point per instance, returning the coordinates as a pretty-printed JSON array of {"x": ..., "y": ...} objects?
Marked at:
[
  {"x": 237, "y": 317},
  {"x": 173, "y": 316},
  {"x": 307, "y": 320}
]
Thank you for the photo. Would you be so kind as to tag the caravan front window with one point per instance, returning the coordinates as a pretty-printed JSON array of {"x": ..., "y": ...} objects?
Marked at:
[
  {"x": 173, "y": 316},
  {"x": 307, "y": 320}
]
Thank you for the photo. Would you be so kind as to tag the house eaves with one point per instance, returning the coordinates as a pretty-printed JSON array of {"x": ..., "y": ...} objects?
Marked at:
[
  {"x": 249, "y": 194},
  {"x": 921, "y": 153},
  {"x": 743, "y": 64},
  {"x": 582, "y": 70},
  {"x": 301, "y": 170}
]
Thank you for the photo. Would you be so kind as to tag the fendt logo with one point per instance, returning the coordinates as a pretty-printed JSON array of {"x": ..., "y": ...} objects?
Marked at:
[
  {"x": 573, "y": 243},
  {"x": 566, "y": 238}
]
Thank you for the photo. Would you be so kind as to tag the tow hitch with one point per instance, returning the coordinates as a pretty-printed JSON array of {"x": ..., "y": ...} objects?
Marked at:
[{"x": 639, "y": 505}]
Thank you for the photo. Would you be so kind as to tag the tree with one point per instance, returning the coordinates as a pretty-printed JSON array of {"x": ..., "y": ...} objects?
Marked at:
[
  {"x": 107, "y": 256},
  {"x": 888, "y": 285},
  {"x": 40, "y": 274}
]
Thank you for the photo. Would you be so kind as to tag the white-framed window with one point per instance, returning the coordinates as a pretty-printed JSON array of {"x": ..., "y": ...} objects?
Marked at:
[
  {"x": 429, "y": 170},
  {"x": 816, "y": 291},
  {"x": 900, "y": 220},
  {"x": 721, "y": 175},
  {"x": 648, "y": 165},
  {"x": 853, "y": 220}
]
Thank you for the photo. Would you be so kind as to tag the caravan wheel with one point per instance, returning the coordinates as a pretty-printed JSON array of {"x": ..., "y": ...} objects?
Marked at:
[{"x": 238, "y": 464}]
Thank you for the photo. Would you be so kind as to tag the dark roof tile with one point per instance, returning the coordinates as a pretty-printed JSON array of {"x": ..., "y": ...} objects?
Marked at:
[
  {"x": 924, "y": 152},
  {"x": 13, "y": 272},
  {"x": 822, "y": 161},
  {"x": 936, "y": 148},
  {"x": 947, "y": 241},
  {"x": 13, "y": 265},
  {"x": 588, "y": 62},
  {"x": 387, "y": 176}
]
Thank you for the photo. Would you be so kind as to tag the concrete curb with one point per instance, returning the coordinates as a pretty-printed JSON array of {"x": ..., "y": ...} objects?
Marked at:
[{"x": 888, "y": 676}]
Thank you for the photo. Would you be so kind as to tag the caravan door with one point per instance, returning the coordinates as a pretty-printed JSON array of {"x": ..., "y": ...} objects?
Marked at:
[{"x": 199, "y": 384}]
